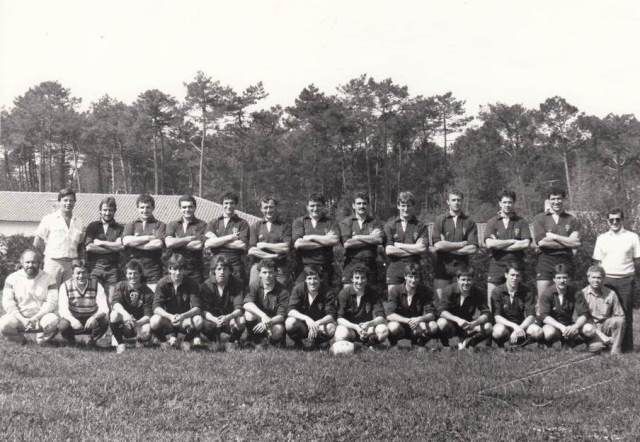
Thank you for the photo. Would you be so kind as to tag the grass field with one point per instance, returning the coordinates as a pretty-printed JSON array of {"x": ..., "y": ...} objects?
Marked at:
[{"x": 77, "y": 393}]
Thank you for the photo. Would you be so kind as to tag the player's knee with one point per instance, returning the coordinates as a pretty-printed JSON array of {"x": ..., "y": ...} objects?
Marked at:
[
  {"x": 114, "y": 317},
  {"x": 550, "y": 333},
  {"x": 394, "y": 328},
  {"x": 342, "y": 333},
  {"x": 250, "y": 317},
  {"x": 156, "y": 322},
  {"x": 145, "y": 333},
  {"x": 239, "y": 323},
  {"x": 500, "y": 332},
  {"x": 443, "y": 324},
  {"x": 9, "y": 326},
  {"x": 277, "y": 332},
  {"x": 486, "y": 328},
  {"x": 381, "y": 332},
  {"x": 330, "y": 329},
  {"x": 588, "y": 330},
  {"x": 49, "y": 323},
  {"x": 535, "y": 332},
  {"x": 291, "y": 324},
  {"x": 197, "y": 322},
  {"x": 617, "y": 323}
]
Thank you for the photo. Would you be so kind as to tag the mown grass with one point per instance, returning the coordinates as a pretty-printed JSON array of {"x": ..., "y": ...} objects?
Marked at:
[{"x": 69, "y": 393}]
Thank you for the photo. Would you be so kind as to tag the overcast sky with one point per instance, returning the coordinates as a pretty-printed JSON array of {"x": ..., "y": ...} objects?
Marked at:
[{"x": 482, "y": 51}]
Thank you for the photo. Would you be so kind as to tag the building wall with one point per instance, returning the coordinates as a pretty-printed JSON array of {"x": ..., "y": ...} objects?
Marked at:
[{"x": 8, "y": 228}]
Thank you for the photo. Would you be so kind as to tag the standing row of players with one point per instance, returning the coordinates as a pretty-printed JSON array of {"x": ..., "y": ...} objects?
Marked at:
[{"x": 405, "y": 240}]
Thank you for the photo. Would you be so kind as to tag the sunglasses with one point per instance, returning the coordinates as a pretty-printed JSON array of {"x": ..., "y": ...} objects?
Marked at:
[{"x": 614, "y": 220}]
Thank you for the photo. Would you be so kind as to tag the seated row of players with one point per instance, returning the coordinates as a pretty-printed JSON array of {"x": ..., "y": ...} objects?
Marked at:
[{"x": 219, "y": 310}]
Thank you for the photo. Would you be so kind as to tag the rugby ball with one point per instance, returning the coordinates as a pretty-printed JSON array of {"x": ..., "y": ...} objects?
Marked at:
[{"x": 342, "y": 348}]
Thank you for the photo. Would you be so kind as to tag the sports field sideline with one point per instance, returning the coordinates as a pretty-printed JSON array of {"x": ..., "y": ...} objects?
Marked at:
[{"x": 80, "y": 394}]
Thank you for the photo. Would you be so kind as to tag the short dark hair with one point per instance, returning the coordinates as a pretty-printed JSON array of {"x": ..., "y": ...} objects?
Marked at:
[
  {"x": 361, "y": 194},
  {"x": 230, "y": 196},
  {"x": 176, "y": 261},
  {"x": 78, "y": 264},
  {"x": 134, "y": 264},
  {"x": 316, "y": 198},
  {"x": 616, "y": 211},
  {"x": 560, "y": 269},
  {"x": 268, "y": 197},
  {"x": 187, "y": 198},
  {"x": 311, "y": 270},
  {"x": 464, "y": 271},
  {"x": 220, "y": 261},
  {"x": 555, "y": 190},
  {"x": 109, "y": 201},
  {"x": 267, "y": 264},
  {"x": 67, "y": 191},
  {"x": 508, "y": 194},
  {"x": 412, "y": 270},
  {"x": 455, "y": 192},
  {"x": 359, "y": 268},
  {"x": 145, "y": 198},
  {"x": 406, "y": 197},
  {"x": 515, "y": 265},
  {"x": 596, "y": 269}
]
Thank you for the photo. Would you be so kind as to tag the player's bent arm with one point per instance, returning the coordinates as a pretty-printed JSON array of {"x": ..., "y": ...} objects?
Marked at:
[
  {"x": 174, "y": 242},
  {"x": 38, "y": 243},
  {"x": 8, "y": 300},
  {"x": 453, "y": 318},
  {"x": 118, "y": 308},
  {"x": 274, "y": 247},
  {"x": 391, "y": 250},
  {"x": 521, "y": 244},
  {"x": 427, "y": 317},
  {"x": 348, "y": 324},
  {"x": 572, "y": 241},
  {"x": 376, "y": 321},
  {"x": 300, "y": 316},
  {"x": 500, "y": 244},
  {"x": 253, "y": 308},
  {"x": 163, "y": 313},
  {"x": 196, "y": 244},
  {"x": 97, "y": 249},
  {"x": 415, "y": 249},
  {"x": 548, "y": 320},
  {"x": 255, "y": 251},
  {"x": 504, "y": 321},
  {"x": 153, "y": 244},
  {"x": 304, "y": 244},
  {"x": 449, "y": 246},
  {"x": 527, "y": 322},
  {"x": 483, "y": 318},
  {"x": 237, "y": 244},
  {"x": 469, "y": 249},
  {"x": 142, "y": 321},
  {"x": 193, "y": 311},
  {"x": 328, "y": 240},
  {"x": 234, "y": 314},
  {"x": 397, "y": 318},
  {"x": 110, "y": 246},
  {"x": 550, "y": 244},
  {"x": 325, "y": 320},
  {"x": 136, "y": 241},
  {"x": 214, "y": 241}
]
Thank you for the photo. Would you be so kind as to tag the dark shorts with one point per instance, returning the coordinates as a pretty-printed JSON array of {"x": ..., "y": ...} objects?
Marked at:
[
  {"x": 107, "y": 277},
  {"x": 371, "y": 266},
  {"x": 395, "y": 272},
  {"x": 546, "y": 264},
  {"x": 495, "y": 274},
  {"x": 446, "y": 271}
]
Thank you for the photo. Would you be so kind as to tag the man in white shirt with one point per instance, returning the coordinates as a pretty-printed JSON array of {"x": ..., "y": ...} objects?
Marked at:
[
  {"x": 29, "y": 299},
  {"x": 617, "y": 251},
  {"x": 61, "y": 235}
]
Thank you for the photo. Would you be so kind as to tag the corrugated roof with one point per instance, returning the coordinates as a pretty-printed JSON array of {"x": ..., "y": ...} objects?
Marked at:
[{"x": 32, "y": 206}]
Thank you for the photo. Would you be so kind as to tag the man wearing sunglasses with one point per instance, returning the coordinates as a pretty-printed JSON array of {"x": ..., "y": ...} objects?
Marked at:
[{"x": 618, "y": 251}]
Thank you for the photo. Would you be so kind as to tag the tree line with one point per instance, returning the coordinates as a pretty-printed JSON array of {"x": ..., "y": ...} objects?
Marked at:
[{"x": 370, "y": 135}]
